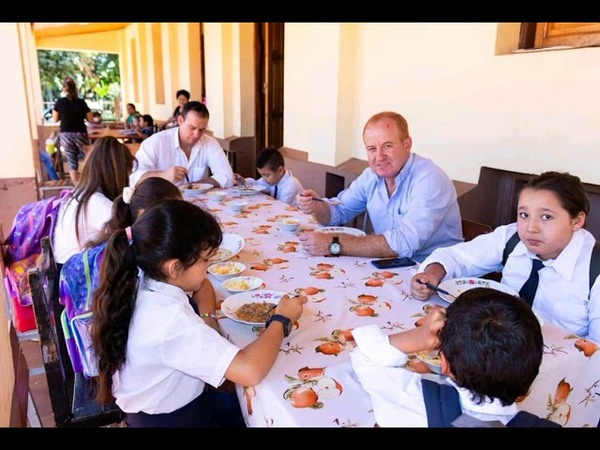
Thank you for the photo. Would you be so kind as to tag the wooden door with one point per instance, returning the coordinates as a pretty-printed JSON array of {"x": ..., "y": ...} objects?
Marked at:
[{"x": 269, "y": 59}]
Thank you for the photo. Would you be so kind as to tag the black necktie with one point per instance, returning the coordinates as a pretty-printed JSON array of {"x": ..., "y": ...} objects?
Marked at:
[
  {"x": 275, "y": 192},
  {"x": 530, "y": 286}
]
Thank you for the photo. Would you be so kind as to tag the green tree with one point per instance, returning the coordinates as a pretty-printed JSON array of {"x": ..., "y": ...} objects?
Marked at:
[{"x": 96, "y": 75}]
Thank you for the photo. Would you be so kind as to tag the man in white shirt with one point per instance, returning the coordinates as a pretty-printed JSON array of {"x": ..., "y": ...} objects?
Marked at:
[{"x": 184, "y": 154}]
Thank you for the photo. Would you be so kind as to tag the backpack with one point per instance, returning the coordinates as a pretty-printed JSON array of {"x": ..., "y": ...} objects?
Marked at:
[
  {"x": 594, "y": 258},
  {"x": 33, "y": 222},
  {"x": 443, "y": 411},
  {"x": 79, "y": 278}
]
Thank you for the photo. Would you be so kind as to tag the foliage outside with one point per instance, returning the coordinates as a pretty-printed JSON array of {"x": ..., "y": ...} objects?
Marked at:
[{"x": 96, "y": 75}]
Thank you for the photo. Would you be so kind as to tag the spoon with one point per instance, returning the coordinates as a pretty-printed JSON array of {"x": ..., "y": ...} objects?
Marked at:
[{"x": 190, "y": 185}]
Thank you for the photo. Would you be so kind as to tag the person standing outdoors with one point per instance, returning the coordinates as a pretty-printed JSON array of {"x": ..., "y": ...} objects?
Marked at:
[
  {"x": 411, "y": 202},
  {"x": 72, "y": 112},
  {"x": 184, "y": 154}
]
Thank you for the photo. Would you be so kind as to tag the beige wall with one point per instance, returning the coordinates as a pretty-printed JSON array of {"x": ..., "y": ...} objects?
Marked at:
[{"x": 466, "y": 107}]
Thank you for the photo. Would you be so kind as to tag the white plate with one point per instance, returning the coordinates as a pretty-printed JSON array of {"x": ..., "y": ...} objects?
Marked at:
[
  {"x": 242, "y": 284},
  {"x": 342, "y": 230},
  {"x": 460, "y": 285},
  {"x": 197, "y": 188},
  {"x": 231, "y": 245},
  {"x": 231, "y": 304},
  {"x": 248, "y": 190}
]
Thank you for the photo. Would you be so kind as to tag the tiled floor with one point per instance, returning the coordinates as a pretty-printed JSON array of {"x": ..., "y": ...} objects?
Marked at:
[{"x": 37, "y": 382}]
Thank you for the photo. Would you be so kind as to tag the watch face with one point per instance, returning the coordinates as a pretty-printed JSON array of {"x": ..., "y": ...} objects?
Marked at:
[{"x": 335, "y": 248}]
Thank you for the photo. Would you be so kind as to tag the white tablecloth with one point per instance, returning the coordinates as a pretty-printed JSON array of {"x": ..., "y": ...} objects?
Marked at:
[{"x": 312, "y": 383}]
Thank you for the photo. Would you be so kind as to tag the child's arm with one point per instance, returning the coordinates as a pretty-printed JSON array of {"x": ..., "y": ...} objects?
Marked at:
[
  {"x": 206, "y": 300},
  {"x": 424, "y": 337},
  {"x": 253, "y": 362}
]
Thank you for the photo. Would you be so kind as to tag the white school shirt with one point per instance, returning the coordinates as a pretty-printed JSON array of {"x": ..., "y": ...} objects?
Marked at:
[
  {"x": 97, "y": 212},
  {"x": 562, "y": 294},
  {"x": 421, "y": 215},
  {"x": 397, "y": 392},
  {"x": 288, "y": 188},
  {"x": 171, "y": 353},
  {"x": 161, "y": 151}
]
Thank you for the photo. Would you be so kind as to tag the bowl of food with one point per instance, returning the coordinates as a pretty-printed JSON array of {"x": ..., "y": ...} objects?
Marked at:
[
  {"x": 242, "y": 284},
  {"x": 216, "y": 194},
  {"x": 237, "y": 205},
  {"x": 432, "y": 360},
  {"x": 289, "y": 224},
  {"x": 226, "y": 269}
]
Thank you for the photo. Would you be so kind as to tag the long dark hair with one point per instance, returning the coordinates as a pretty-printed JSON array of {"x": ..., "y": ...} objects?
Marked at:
[
  {"x": 106, "y": 170},
  {"x": 145, "y": 193},
  {"x": 171, "y": 229},
  {"x": 70, "y": 88}
]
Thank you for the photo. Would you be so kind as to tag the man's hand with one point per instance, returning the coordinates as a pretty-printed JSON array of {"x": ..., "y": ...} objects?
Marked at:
[
  {"x": 315, "y": 243},
  {"x": 175, "y": 174}
]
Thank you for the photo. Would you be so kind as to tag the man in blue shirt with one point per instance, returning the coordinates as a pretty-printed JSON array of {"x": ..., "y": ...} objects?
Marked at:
[{"x": 411, "y": 202}]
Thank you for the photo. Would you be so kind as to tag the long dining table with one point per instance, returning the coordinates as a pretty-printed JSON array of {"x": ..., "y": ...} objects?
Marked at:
[{"x": 312, "y": 383}]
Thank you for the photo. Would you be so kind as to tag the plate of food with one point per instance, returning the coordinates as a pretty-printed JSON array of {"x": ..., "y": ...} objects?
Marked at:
[
  {"x": 251, "y": 308},
  {"x": 242, "y": 284},
  {"x": 196, "y": 188},
  {"x": 457, "y": 286},
  {"x": 226, "y": 269},
  {"x": 248, "y": 190},
  {"x": 342, "y": 230},
  {"x": 230, "y": 246}
]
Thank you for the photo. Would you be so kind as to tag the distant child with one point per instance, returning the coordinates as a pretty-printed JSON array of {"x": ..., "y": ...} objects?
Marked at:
[
  {"x": 155, "y": 354},
  {"x": 96, "y": 121},
  {"x": 146, "y": 125},
  {"x": 491, "y": 348},
  {"x": 276, "y": 179},
  {"x": 551, "y": 215}
]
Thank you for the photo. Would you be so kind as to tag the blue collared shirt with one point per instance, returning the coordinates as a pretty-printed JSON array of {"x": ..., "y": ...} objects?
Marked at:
[{"x": 421, "y": 215}]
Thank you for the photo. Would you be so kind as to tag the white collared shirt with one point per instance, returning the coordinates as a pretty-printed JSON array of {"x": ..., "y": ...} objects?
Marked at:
[
  {"x": 288, "y": 188},
  {"x": 397, "y": 393},
  {"x": 161, "y": 151},
  {"x": 421, "y": 215},
  {"x": 171, "y": 353},
  {"x": 562, "y": 294},
  {"x": 97, "y": 212}
]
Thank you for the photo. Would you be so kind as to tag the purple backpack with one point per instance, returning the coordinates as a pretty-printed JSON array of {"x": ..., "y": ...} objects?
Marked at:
[{"x": 32, "y": 222}]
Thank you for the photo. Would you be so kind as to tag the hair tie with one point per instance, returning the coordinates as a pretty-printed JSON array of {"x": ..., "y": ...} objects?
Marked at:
[
  {"x": 127, "y": 194},
  {"x": 129, "y": 234}
]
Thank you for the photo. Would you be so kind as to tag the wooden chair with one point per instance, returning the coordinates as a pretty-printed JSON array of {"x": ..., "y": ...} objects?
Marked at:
[
  {"x": 71, "y": 394},
  {"x": 472, "y": 229}
]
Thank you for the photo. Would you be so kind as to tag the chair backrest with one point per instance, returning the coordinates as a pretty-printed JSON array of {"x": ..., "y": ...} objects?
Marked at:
[
  {"x": 71, "y": 394},
  {"x": 472, "y": 229}
]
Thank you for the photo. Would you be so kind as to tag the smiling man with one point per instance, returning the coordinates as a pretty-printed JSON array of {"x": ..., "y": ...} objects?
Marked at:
[
  {"x": 184, "y": 154},
  {"x": 411, "y": 202}
]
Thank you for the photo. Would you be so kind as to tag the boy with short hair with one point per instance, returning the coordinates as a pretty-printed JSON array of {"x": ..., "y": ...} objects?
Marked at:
[
  {"x": 491, "y": 349},
  {"x": 275, "y": 178}
]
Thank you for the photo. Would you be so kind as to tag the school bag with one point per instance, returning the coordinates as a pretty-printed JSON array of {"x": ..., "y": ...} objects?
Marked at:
[
  {"x": 443, "y": 410},
  {"x": 33, "y": 222},
  {"x": 594, "y": 258},
  {"x": 79, "y": 278}
]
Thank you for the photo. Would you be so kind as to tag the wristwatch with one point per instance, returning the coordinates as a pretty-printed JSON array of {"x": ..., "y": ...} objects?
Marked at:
[
  {"x": 335, "y": 248},
  {"x": 287, "y": 323}
]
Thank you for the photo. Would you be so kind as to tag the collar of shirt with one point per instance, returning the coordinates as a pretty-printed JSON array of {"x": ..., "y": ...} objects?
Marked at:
[
  {"x": 195, "y": 147},
  {"x": 489, "y": 409},
  {"x": 166, "y": 289},
  {"x": 566, "y": 261},
  {"x": 402, "y": 176}
]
